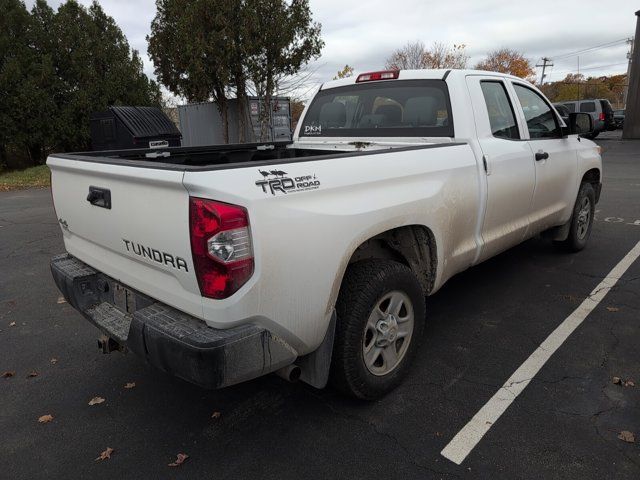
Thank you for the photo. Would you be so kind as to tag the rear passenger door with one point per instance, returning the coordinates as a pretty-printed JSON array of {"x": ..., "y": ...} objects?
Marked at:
[
  {"x": 509, "y": 171},
  {"x": 554, "y": 158}
]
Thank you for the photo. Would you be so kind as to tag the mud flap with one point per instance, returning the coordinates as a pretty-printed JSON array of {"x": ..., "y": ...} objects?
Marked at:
[{"x": 315, "y": 366}]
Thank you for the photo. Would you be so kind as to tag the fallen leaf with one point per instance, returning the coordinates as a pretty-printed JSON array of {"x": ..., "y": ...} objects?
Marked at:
[
  {"x": 105, "y": 455},
  {"x": 61, "y": 300},
  {"x": 627, "y": 436},
  {"x": 179, "y": 460},
  {"x": 8, "y": 374},
  {"x": 32, "y": 374},
  {"x": 53, "y": 361},
  {"x": 12, "y": 324},
  {"x": 613, "y": 309},
  {"x": 130, "y": 385},
  {"x": 45, "y": 419},
  {"x": 215, "y": 415},
  {"x": 625, "y": 383},
  {"x": 96, "y": 401}
]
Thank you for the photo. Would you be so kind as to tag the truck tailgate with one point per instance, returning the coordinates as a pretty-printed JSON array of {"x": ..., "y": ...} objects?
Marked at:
[{"x": 141, "y": 239}]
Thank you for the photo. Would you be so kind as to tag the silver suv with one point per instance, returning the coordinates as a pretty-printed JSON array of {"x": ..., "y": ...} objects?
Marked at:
[{"x": 600, "y": 110}]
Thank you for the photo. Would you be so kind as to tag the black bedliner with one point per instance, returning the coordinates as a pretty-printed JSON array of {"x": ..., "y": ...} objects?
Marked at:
[{"x": 222, "y": 157}]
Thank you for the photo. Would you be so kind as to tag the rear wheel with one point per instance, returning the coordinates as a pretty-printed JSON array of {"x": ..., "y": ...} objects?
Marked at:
[
  {"x": 582, "y": 219},
  {"x": 380, "y": 319}
]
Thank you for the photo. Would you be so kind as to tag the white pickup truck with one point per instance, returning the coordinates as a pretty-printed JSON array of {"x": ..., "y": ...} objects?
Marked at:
[{"x": 313, "y": 258}]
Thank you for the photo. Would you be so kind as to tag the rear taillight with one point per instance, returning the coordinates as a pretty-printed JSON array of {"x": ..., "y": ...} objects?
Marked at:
[
  {"x": 601, "y": 117},
  {"x": 221, "y": 246}
]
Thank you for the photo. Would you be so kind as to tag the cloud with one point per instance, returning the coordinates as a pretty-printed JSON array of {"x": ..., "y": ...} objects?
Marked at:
[{"x": 363, "y": 33}]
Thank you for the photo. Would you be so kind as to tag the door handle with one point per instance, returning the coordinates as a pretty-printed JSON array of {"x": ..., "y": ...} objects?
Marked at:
[
  {"x": 100, "y": 197},
  {"x": 540, "y": 155}
]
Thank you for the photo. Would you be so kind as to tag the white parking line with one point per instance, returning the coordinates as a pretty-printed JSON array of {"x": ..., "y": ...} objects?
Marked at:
[{"x": 467, "y": 438}]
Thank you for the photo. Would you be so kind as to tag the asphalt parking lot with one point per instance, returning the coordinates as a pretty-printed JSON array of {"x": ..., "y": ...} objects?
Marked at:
[{"x": 482, "y": 326}]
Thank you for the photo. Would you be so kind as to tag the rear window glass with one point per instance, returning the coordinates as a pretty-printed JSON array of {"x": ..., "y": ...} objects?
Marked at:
[
  {"x": 398, "y": 108},
  {"x": 501, "y": 116},
  {"x": 588, "y": 107}
]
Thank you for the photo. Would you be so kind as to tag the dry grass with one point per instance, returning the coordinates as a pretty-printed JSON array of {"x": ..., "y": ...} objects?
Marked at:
[{"x": 34, "y": 177}]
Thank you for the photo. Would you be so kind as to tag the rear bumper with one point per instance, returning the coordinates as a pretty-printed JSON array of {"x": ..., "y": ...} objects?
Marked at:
[{"x": 170, "y": 340}]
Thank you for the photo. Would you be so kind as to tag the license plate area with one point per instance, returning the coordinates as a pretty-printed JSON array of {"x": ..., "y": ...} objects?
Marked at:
[{"x": 124, "y": 299}]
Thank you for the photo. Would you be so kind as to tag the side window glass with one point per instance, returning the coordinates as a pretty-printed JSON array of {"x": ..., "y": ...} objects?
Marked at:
[
  {"x": 588, "y": 107},
  {"x": 571, "y": 107},
  {"x": 541, "y": 120},
  {"x": 501, "y": 116}
]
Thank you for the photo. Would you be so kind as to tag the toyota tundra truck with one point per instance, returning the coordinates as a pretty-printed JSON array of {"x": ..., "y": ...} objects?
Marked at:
[{"x": 314, "y": 258}]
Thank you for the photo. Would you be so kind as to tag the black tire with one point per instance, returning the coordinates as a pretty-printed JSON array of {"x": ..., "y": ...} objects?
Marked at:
[
  {"x": 365, "y": 284},
  {"x": 578, "y": 235}
]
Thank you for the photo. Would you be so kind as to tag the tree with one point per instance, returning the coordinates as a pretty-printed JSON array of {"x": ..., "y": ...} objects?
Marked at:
[
  {"x": 575, "y": 86},
  {"x": 409, "y": 57},
  {"x": 506, "y": 60},
  {"x": 284, "y": 38},
  {"x": 96, "y": 68},
  {"x": 346, "y": 72},
  {"x": 191, "y": 50},
  {"x": 442, "y": 56},
  {"x": 15, "y": 60},
  {"x": 55, "y": 69},
  {"x": 208, "y": 49},
  {"x": 415, "y": 56}
]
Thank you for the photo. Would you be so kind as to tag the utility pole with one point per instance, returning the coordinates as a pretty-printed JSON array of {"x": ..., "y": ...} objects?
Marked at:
[
  {"x": 546, "y": 62},
  {"x": 632, "y": 109},
  {"x": 629, "y": 56}
]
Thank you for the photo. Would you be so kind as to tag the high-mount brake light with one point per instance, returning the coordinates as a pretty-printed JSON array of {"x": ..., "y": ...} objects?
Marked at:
[
  {"x": 374, "y": 76},
  {"x": 220, "y": 246}
]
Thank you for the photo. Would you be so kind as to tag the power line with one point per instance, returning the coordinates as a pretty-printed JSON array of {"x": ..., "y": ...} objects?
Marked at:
[
  {"x": 590, "y": 68},
  {"x": 591, "y": 49}
]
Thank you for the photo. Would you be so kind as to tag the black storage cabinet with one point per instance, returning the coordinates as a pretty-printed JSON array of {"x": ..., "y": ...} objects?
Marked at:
[{"x": 133, "y": 127}]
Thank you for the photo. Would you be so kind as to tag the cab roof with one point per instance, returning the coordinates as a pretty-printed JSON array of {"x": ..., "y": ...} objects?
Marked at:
[{"x": 439, "y": 74}]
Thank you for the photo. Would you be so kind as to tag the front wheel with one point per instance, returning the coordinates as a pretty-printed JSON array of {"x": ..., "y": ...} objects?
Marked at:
[
  {"x": 380, "y": 320},
  {"x": 582, "y": 219}
]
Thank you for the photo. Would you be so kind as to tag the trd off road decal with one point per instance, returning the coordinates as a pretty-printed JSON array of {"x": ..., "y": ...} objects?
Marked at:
[{"x": 278, "y": 181}]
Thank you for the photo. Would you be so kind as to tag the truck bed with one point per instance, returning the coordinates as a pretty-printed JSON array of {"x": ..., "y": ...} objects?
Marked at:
[{"x": 220, "y": 157}]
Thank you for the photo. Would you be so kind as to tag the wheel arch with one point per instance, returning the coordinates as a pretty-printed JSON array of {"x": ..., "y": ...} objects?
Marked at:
[
  {"x": 594, "y": 177},
  {"x": 412, "y": 245}
]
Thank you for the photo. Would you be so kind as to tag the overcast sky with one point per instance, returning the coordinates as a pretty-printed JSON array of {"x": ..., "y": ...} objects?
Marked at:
[{"x": 363, "y": 33}]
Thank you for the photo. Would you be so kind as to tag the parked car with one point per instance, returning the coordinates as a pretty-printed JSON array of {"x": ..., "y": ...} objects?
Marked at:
[
  {"x": 600, "y": 109},
  {"x": 618, "y": 118},
  {"x": 312, "y": 258}
]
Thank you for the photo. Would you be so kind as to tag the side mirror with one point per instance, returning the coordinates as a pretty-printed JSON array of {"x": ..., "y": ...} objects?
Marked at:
[{"x": 578, "y": 124}]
